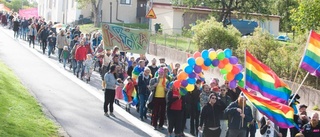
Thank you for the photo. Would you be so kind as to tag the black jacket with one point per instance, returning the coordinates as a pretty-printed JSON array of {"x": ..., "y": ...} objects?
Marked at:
[
  {"x": 143, "y": 82},
  {"x": 235, "y": 119},
  {"x": 44, "y": 34},
  {"x": 209, "y": 116}
]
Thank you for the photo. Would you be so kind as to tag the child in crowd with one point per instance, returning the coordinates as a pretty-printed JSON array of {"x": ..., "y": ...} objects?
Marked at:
[
  {"x": 127, "y": 93},
  {"x": 65, "y": 56},
  {"x": 118, "y": 95},
  {"x": 88, "y": 67}
]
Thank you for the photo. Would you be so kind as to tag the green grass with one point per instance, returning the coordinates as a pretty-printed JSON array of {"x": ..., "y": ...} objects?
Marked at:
[
  {"x": 177, "y": 42},
  {"x": 20, "y": 114}
]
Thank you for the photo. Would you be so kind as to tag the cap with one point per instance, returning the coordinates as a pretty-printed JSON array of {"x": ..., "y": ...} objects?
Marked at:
[{"x": 303, "y": 106}]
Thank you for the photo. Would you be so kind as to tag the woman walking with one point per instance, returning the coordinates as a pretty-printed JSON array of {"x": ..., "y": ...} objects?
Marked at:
[
  {"x": 61, "y": 42},
  {"x": 109, "y": 94},
  {"x": 32, "y": 34}
]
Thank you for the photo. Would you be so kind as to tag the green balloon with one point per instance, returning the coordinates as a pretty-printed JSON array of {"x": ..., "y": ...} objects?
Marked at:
[
  {"x": 223, "y": 71},
  {"x": 211, "y": 66},
  {"x": 221, "y": 56},
  {"x": 225, "y": 77},
  {"x": 241, "y": 83}
]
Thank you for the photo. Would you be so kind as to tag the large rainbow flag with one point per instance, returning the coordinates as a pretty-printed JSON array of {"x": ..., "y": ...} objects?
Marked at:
[
  {"x": 135, "y": 73},
  {"x": 280, "y": 114},
  {"x": 260, "y": 77},
  {"x": 311, "y": 58},
  {"x": 128, "y": 94}
]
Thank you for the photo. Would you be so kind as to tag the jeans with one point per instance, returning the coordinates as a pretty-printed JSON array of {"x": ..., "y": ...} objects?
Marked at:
[
  {"x": 16, "y": 34},
  {"x": 24, "y": 33},
  {"x": 64, "y": 62},
  {"x": 31, "y": 39},
  {"x": 74, "y": 65},
  {"x": 224, "y": 128},
  {"x": 59, "y": 53},
  {"x": 44, "y": 46},
  {"x": 80, "y": 68},
  {"x": 109, "y": 95},
  {"x": 50, "y": 49},
  {"x": 143, "y": 110}
]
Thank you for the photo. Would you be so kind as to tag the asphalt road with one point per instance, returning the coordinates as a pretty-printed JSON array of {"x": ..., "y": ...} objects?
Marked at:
[{"x": 75, "y": 105}]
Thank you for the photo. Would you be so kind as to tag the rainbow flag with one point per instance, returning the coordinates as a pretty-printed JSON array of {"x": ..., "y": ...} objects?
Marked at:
[
  {"x": 260, "y": 77},
  {"x": 135, "y": 73},
  {"x": 311, "y": 58},
  {"x": 280, "y": 114},
  {"x": 127, "y": 95}
]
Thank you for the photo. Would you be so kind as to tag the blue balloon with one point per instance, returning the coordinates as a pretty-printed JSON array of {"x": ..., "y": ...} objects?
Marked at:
[
  {"x": 207, "y": 62},
  {"x": 191, "y": 61},
  {"x": 227, "y": 53},
  {"x": 188, "y": 69},
  {"x": 239, "y": 76},
  {"x": 191, "y": 80},
  {"x": 205, "y": 54}
]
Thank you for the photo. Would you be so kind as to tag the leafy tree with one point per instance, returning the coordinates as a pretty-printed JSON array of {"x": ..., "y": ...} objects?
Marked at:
[
  {"x": 15, "y": 5},
  {"x": 96, "y": 7},
  {"x": 306, "y": 16},
  {"x": 227, "y": 7},
  {"x": 212, "y": 34},
  {"x": 283, "y": 8}
]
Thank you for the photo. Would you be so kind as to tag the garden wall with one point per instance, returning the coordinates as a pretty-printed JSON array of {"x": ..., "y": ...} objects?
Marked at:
[{"x": 309, "y": 96}]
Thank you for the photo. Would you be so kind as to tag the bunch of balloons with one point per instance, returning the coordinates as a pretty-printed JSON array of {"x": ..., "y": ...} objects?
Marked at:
[{"x": 222, "y": 59}]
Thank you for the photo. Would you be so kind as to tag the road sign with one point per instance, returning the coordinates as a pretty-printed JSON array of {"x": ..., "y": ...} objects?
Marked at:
[{"x": 151, "y": 14}]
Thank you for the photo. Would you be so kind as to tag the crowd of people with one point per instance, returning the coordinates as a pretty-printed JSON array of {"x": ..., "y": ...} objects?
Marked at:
[{"x": 214, "y": 110}]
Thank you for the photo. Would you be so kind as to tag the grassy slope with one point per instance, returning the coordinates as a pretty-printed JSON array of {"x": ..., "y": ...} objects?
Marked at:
[{"x": 20, "y": 114}]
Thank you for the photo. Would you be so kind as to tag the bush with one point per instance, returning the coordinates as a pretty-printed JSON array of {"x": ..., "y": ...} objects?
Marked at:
[
  {"x": 211, "y": 34},
  {"x": 283, "y": 60}
]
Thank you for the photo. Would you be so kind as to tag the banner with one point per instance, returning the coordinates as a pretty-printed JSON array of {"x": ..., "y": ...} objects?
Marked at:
[
  {"x": 127, "y": 39},
  {"x": 29, "y": 13}
]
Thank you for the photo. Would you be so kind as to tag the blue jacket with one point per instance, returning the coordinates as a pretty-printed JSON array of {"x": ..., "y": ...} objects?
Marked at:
[
  {"x": 235, "y": 120},
  {"x": 110, "y": 80}
]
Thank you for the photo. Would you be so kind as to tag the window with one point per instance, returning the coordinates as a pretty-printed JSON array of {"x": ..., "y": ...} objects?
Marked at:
[{"x": 127, "y": 2}]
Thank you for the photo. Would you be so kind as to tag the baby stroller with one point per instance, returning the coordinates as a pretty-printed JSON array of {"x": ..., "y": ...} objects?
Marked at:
[{"x": 88, "y": 69}]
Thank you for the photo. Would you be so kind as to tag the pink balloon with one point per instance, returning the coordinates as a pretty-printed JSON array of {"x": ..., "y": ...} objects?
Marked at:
[{"x": 197, "y": 54}]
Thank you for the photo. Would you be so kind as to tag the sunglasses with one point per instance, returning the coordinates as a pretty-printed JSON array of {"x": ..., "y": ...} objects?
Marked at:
[{"x": 213, "y": 98}]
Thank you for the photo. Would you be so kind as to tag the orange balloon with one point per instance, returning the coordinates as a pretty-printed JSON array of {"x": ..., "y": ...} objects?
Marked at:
[
  {"x": 182, "y": 75},
  {"x": 225, "y": 61},
  {"x": 221, "y": 65},
  {"x": 204, "y": 67},
  {"x": 230, "y": 76},
  {"x": 199, "y": 61}
]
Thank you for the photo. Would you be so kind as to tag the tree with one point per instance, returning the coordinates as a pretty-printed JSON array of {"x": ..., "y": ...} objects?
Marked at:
[
  {"x": 306, "y": 16},
  {"x": 16, "y": 5},
  {"x": 212, "y": 34},
  {"x": 96, "y": 7},
  {"x": 227, "y": 7}
]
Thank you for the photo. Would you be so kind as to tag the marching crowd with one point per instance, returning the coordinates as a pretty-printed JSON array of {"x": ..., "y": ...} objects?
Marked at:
[{"x": 214, "y": 110}]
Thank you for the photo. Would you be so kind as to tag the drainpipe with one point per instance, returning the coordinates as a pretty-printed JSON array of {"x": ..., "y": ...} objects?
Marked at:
[{"x": 118, "y": 12}]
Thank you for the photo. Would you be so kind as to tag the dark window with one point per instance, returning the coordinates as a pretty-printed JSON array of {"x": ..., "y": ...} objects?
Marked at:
[{"x": 127, "y": 2}]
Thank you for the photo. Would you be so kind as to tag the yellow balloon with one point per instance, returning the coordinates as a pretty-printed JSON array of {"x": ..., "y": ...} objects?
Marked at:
[
  {"x": 190, "y": 87},
  {"x": 199, "y": 61},
  {"x": 228, "y": 67},
  {"x": 212, "y": 55},
  {"x": 184, "y": 66}
]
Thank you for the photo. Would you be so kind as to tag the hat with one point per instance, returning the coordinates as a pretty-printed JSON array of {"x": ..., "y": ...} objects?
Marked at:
[{"x": 303, "y": 106}]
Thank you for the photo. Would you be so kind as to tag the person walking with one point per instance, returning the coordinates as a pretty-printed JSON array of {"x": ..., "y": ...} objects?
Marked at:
[
  {"x": 238, "y": 112},
  {"x": 159, "y": 84},
  {"x": 16, "y": 25},
  {"x": 44, "y": 34},
  {"x": 209, "y": 117},
  {"x": 52, "y": 40},
  {"x": 174, "y": 111},
  {"x": 32, "y": 34},
  {"x": 143, "y": 88},
  {"x": 61, "y": 42},
  {"x": 109, "y": 94},
  {"x": 80, "y": 56}
]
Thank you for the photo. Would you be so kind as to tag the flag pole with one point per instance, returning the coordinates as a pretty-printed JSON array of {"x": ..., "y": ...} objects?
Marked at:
[
  {"x": 295, "y": 94},
  {"x": 305, "y": 49},
  {"x": 245, "y": 54}
]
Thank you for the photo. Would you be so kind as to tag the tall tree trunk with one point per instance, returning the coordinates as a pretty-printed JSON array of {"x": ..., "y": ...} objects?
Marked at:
[{"x": 97, "y": 12}]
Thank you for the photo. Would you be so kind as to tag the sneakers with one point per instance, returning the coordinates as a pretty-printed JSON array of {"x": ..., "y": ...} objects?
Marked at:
[
  {"x": 106, "y": 114},
  {"x": 111, "y": 114}
]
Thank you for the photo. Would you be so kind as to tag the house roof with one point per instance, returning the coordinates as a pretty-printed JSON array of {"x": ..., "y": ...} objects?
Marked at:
[{"x": 206, "y": 9}]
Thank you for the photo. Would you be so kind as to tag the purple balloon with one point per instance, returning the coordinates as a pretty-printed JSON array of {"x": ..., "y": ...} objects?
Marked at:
[
  {"x": 211, "y": 49},
  {"x": 240, "y": 67},
  {"x": 197, "y": 69},
  {"x": 233, "y": 60},
  {"x": 184, "y": 83},
  {"x": 192, "y": 75},
  {"x": 233, "y": 84},
  {"x": 215, "y": 62}
]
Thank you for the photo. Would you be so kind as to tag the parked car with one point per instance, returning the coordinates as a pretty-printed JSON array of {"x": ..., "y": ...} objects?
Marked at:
[{"x": 283, "y": 38}]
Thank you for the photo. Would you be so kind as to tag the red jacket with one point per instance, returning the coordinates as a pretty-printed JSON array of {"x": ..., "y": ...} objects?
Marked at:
[{"x": 81, "y": 53}]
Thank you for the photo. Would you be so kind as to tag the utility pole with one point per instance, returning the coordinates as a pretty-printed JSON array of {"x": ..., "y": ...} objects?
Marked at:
[{"x": 150, "y": 25}]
